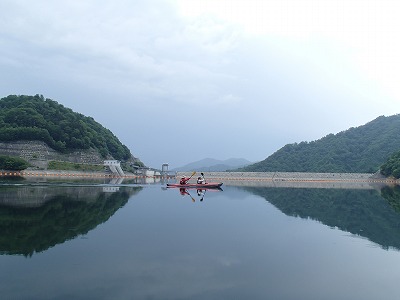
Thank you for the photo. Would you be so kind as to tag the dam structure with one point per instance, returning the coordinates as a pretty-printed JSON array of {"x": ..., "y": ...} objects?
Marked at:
[
  {"x": 115, "y": 167},
  {"x": 297, "y": 179}
]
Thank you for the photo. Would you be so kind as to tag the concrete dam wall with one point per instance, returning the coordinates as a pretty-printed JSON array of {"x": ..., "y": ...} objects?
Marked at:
[{"x": 295, "y": 179}]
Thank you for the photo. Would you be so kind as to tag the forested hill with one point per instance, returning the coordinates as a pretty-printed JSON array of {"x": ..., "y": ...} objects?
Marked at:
[
  {"x": 360, "y": 149},
  {"x": 36, "y": 118}
]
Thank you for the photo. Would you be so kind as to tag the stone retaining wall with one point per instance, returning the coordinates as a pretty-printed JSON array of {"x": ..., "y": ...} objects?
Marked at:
[{"x": 38, "y": 153}]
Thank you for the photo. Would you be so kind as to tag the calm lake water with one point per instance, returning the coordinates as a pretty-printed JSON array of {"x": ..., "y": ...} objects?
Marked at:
[{"x": 95, "y": 241}]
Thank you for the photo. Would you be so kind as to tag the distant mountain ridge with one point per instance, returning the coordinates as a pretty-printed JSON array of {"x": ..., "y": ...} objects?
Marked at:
[
  {"x": 362, "y": 149},
  {"x": 214, "y": 165}
]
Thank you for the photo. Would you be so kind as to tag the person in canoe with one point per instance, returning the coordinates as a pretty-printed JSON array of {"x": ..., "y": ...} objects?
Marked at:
[
  {"x": 184, "y": 180},
  {"x": 200, "y": 180}
]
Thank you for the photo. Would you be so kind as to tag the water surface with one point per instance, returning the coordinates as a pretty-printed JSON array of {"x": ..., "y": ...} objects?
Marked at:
[{"x": 94, "y": 241}]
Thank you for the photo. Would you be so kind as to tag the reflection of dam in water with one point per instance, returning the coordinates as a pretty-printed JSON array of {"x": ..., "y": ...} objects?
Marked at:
[{"x": 38, "y": 195}]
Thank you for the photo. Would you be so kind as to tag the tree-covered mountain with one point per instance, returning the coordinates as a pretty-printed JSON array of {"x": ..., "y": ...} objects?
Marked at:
[
  {"x": 361, "y": 149},
  {"x": 392, "y": 166},
  {"x": 37, "y": 118}
]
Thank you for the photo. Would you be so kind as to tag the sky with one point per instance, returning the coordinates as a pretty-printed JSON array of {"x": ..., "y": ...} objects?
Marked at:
[{"x": 182, "y": 80}]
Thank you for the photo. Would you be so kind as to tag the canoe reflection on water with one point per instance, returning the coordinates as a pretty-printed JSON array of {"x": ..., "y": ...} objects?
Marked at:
[{"x": 200, "y": 193}]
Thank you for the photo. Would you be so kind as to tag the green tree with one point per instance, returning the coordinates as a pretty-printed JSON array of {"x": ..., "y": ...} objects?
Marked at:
[
  {"x": 392, "y": 166},
  {"x": 12, "y": 163}
]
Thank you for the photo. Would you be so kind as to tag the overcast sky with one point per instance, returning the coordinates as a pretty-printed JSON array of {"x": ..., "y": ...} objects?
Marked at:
[{"x": 179, "y": 81}]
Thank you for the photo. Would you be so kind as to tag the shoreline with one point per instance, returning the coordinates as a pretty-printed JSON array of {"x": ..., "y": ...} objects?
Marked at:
[
  {"x": 228, "y": 178},
  {"x": 71, "y": 174},
  {"x": 287, "y": 178}
]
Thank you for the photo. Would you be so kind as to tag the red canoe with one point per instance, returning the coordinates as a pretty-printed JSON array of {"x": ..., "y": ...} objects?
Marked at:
[{"x": 208, "y": 185}]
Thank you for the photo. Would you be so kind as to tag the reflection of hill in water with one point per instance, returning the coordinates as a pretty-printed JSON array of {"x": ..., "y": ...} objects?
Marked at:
[
  {"x": 360, "y": 212},
  {"x": 66, "y": 213},
  {"x": 392, "y": 195}
]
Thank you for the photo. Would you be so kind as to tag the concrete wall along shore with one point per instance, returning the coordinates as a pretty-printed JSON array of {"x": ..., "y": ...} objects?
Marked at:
[
  {"x": 77, "y": 174},
  {"x": 265, "y": 179},
  {"x": 295, "y": 179}
]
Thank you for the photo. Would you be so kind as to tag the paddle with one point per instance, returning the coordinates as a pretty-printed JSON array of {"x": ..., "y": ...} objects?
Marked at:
[{"x": 194, "y": 172}]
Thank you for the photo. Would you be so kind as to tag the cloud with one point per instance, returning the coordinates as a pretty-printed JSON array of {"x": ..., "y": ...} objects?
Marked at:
[
  {"x": 367, "y": 29},
  {"x": 263, "y": 73},
  {"x": 229, "y": 99},
  {"x": 142, "y": 49}
]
